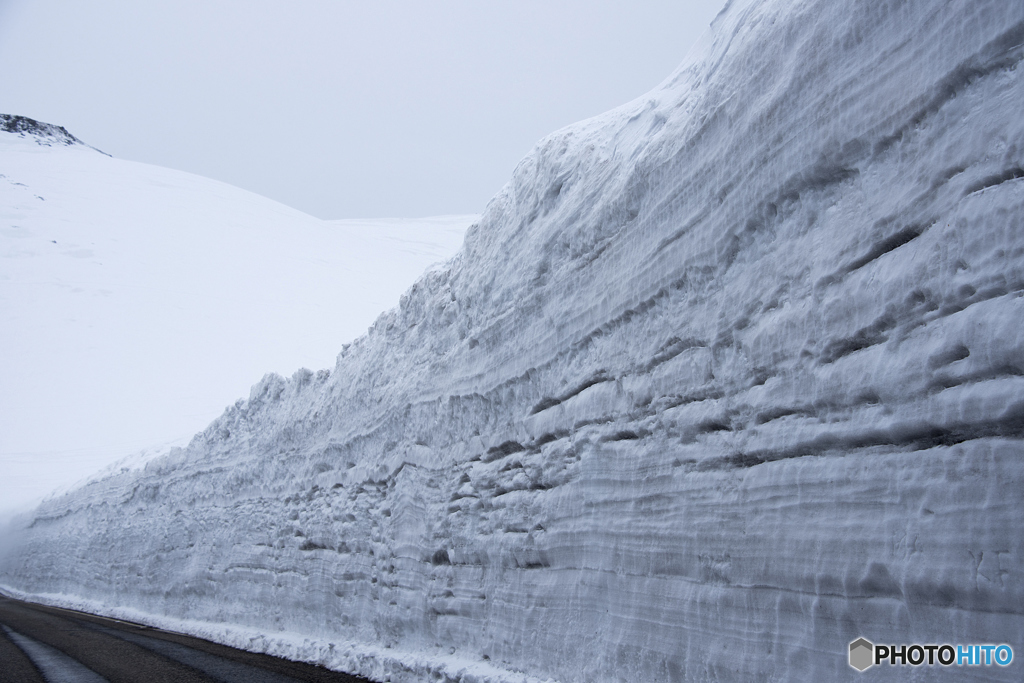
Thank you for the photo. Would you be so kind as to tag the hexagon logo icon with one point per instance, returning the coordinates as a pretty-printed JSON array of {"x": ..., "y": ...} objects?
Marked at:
[{"x": 862, "y": 654}]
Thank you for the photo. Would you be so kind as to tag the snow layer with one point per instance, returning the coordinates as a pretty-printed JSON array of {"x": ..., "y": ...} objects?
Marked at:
[
  {"x": 722, "y": 380},
  {"x": 139, "y": 301}
]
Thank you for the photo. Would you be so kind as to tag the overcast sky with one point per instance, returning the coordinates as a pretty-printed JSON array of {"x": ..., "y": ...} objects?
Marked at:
[{"x": 340, "y": 109}]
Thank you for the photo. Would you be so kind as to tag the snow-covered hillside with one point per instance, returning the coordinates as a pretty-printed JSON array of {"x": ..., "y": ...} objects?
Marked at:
[
  {"x": 721, "y": 381},
  {"x": 137, "y": 302}
]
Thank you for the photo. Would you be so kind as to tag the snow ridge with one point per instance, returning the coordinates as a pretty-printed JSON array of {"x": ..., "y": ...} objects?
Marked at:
[
  {"x": 45, "y": 134},
  {"x": 721, "y": 381},
  {"x": 138, "y": 302}
]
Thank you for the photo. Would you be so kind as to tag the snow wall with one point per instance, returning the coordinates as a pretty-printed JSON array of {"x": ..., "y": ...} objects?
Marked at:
[{"x": 722, "y": 380}]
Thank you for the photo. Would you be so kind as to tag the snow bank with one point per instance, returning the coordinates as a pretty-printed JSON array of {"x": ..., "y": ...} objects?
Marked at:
[{"x": 722, "y": 380}]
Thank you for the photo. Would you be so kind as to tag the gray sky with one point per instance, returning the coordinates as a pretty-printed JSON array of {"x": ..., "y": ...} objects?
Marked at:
[{"x": 340, "y": 109}]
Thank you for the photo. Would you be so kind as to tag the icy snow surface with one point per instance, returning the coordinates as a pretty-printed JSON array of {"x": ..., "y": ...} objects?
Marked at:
[
  {"x": 721, "y": 381},
  {"x": 137, "y": 302}
]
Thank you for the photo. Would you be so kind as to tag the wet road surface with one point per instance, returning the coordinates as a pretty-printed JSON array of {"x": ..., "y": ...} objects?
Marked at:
[{"x": 50, "y": 645}]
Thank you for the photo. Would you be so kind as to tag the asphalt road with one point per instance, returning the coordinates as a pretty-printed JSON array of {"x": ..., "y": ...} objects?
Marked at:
[{"x": 49, "y": 645}]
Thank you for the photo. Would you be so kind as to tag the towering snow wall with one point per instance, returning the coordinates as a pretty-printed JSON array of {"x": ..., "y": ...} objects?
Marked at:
[{"x": 722, "y": 381}]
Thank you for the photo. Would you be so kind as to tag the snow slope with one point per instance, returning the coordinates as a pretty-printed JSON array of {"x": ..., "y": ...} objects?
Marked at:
[
  {"x": 138, "y": 301},
  {"x": 721, "y": 381}
]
